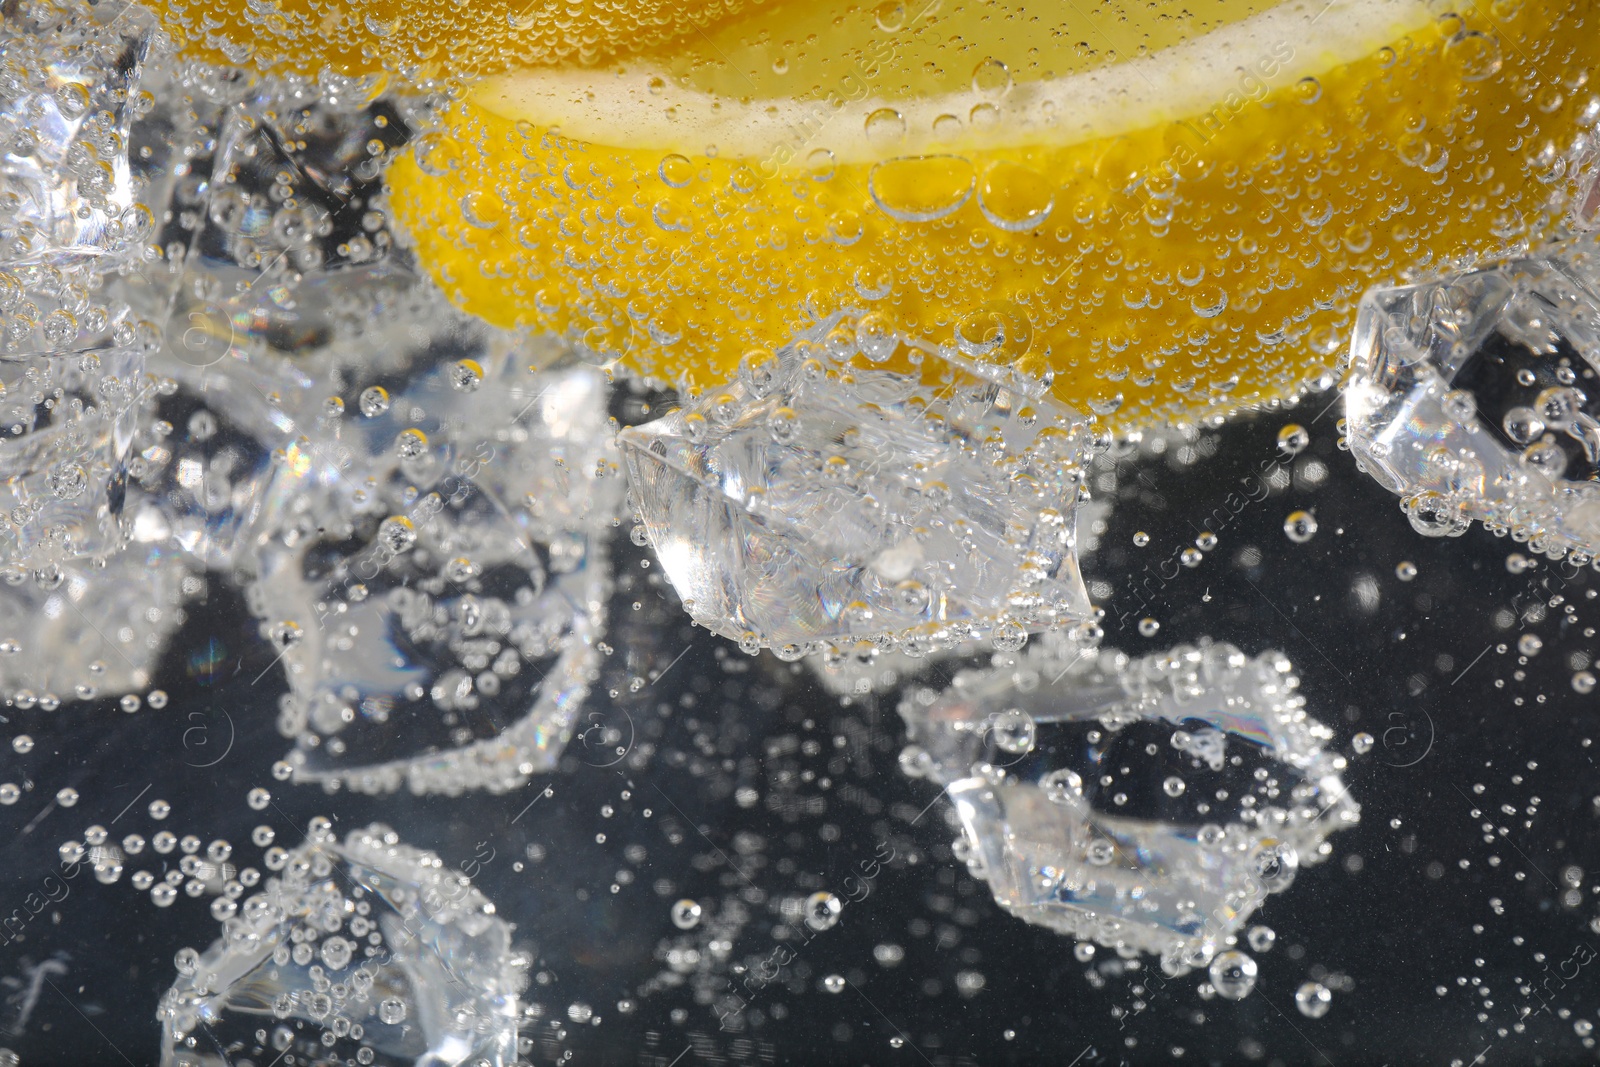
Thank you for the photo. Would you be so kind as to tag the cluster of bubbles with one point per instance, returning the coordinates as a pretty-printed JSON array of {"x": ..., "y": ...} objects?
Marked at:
[{"x": 416, "y": 506}]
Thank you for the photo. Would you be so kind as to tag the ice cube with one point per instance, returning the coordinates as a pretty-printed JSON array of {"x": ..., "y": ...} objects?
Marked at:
[
  {"x": 366, "y": 951},
  {"x": 69, "y": 93},
  {"x": 1474, "y": 396},
  {"x": 1076, "y": 826},
  {"x": 71, "y": 376},
  {"x": 432, "y": 570},
  {"x": 844, "y": 490},
  {"x": 64, "y": 475},
  {"x": 74, "y": 632}
]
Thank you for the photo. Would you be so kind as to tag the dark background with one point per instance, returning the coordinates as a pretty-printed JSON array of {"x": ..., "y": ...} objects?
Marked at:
[{"x": 1444, "y": 940}]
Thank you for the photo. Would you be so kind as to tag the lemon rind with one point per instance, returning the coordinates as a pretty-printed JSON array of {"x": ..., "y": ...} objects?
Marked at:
[{"x": 618, "y": 107}]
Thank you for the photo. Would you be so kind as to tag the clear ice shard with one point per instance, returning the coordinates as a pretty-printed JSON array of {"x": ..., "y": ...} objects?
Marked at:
[
  {"x": 1474, "y": 396},
  {"x": 69, "y": 94},
  {"x": 1077, "y": 827},
  {"x": 71, "y": 362},
  {"x": 79, "y": 616},
  {"x": 367, "y": 951},
  {"x": 414, "y": 502},
  {"x": 76, "y": 632},
  {"x": 430, "y": 564},
  {"x": 853, "y": 487}
]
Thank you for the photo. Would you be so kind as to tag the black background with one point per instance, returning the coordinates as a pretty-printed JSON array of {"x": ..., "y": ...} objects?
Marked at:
[{"x": 1413, "y": 898}]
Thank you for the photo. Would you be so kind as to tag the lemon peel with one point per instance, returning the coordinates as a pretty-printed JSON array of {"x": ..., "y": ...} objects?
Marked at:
[
  {"x": 429, "y": 38},
  {"x": 1170, "y": 268}
]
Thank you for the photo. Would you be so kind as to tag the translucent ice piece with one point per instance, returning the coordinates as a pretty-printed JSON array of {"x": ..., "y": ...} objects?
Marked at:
[
  {"x": 70, "y": 631},
  {"x": 69, "y": 92},
  {"x": 206, "y": 456},
  {"x": 369, "y": 951},
  {"x": 1475, "y": 397},
  {"x": 1025, "y": 753},
  {"x": 71, "y": 360},
  {"x": 271, "y": 230},
  {"x": 829, "y": 498},
  {"x": 63, "y": 480},
  {"x": 430, "y": 566}
]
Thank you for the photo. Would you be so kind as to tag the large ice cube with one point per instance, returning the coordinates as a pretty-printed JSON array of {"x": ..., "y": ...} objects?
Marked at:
[
  {"x": 414, "y": 500},
  {"x": 69, "y": 92},
  {"x": 1475, "y": 396},
  {"x": 1076, "y": 826},
  {"x": 75, "y": 632},
  {"x": 430, "y": 566},
  {"x": 824, "y": 497},
  {"x": 367, "y": 951},
  {"x": 71, "y": 355}
]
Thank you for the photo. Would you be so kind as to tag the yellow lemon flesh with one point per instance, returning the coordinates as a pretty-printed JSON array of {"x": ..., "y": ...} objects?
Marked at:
[
  {"x": 429, "y": 38},
  {"x": 1173, "y": 214}
]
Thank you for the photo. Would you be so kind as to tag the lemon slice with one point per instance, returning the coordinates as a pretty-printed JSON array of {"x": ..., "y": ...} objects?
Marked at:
[
  {"x": 429, "y": 38},
  {"x": 1172, "y": 214}
]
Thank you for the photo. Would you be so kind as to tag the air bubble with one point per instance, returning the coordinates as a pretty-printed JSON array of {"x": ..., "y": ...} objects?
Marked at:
[
  {"x": 397, "y": 533},
  {"x": 822, "y": 910},
  {"x": 1313, "y": 999},
  {"x": 922, "y": 188},
  {"x": 1300, "y": 527},
  {"x": 1009, "y": 636},
  {"x": 466, "y": 375},
  {"x": 1014, "y": 731},
  {"x": 890, "y": 17},
  {"x": 374, "y": 401},
  {"x": 411, "y": 444},
  {"x": 884, "y": 126},
  {"x": 1233, "y": 975},
  {"x": 1062, "y": 786},
  {"x": 686, "y": 914},
  {"x": 675, "y": 170},
  {"x": 991, "y": 78}
]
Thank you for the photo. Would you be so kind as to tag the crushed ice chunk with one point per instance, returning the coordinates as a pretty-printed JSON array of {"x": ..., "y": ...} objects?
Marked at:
[
  {"x": 832, "y": 493},
  {"x": 1475, "y": 396},
  {"x": 1061, "y": 769},
  {"x": 70, "y": 90},
  {"x": 78, "y": 632},
  {"x": 437, "y": 607},
  {"x": 366, "y": 951}
]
